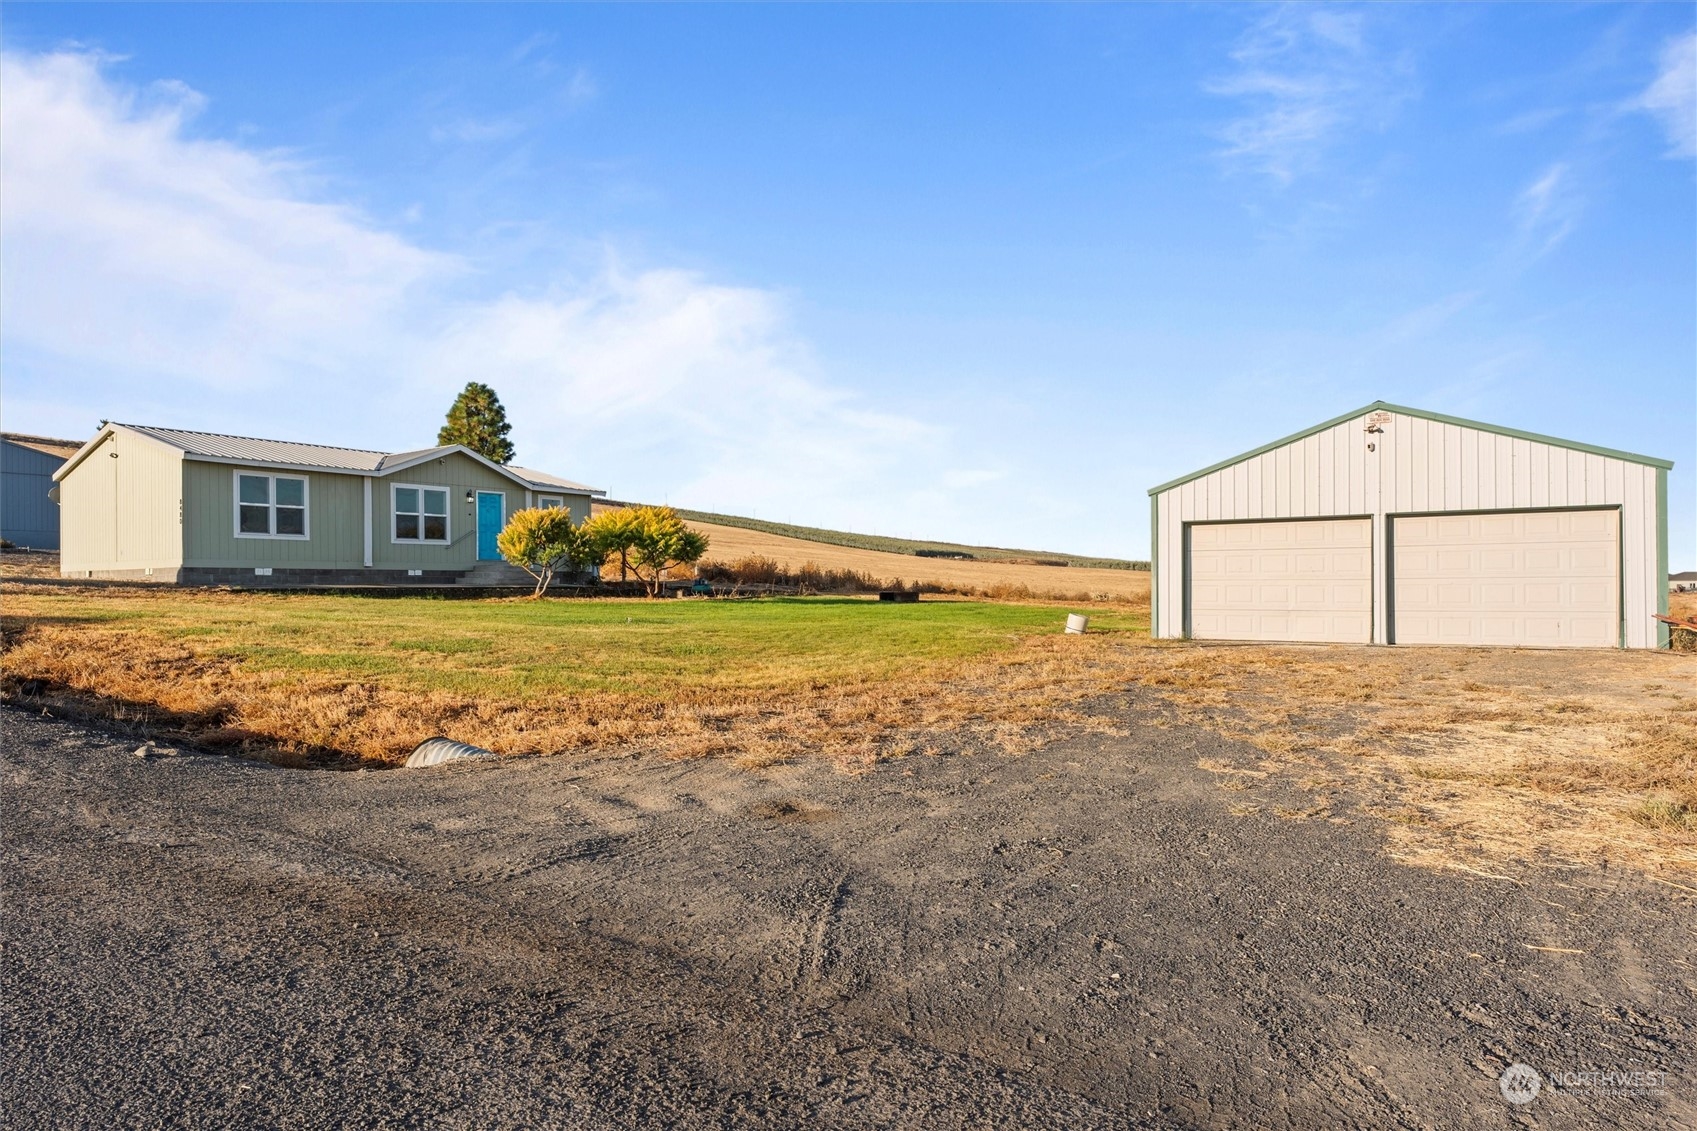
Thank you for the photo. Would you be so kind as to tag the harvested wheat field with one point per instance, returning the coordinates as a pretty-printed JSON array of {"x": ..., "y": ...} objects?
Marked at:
[{"x": 1009, "y": 580}]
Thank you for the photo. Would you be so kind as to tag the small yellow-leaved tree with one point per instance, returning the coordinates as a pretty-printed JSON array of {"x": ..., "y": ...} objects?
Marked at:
[
  {"x": 662, "y": 542},
  {"x": 614, "y": 534},
  {"x": 541, "y": 541}
]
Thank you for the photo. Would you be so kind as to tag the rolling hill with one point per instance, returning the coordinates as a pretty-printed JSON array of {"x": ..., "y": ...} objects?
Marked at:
[
  {"x": 1020, "y": 573},
  {"x": 948, "y": 550}
]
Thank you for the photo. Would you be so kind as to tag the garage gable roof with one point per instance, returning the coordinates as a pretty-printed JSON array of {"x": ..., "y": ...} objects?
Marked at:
[{"x": 1385, "y": 406}]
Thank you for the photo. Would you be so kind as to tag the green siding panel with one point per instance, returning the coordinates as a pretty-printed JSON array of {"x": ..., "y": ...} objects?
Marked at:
[
  {"x": 576, "y": 505},
  {"x": 334, "y": 514},
  {"x": 336, "y": 517},
  {"x": 459, "y": 474}
]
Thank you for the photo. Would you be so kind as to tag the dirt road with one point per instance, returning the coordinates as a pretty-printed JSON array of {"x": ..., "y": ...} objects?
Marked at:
[{"x": 1081, "y": 937}]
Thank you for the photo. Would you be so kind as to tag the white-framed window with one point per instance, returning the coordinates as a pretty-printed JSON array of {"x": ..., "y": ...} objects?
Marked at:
[
  {"x": 547, "y": 502},
  {"x": 271, "y": 506},
  {"x": 418, "y": 514}
]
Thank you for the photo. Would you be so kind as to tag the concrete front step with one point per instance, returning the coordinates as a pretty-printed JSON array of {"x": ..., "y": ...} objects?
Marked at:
[{"x": 487, "y": 574}]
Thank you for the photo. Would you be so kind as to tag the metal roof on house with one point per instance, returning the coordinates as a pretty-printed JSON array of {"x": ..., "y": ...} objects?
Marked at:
[
  {"x": 212, "y": 445},
  {"x": 292, "y": 454},
  {"x": 397, "y": 459},
  {"x": 543, "y": 479}
]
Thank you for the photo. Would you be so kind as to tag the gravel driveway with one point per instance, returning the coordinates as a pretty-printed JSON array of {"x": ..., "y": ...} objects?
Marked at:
[{"x": 1081, "y": 937}]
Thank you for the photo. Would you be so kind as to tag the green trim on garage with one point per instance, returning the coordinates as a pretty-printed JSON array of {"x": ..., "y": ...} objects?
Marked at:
[
  {"x": 1663, "y": 632},
  {"x": 1384, "y": 406},
  {"x": 1155, "y": 566}
]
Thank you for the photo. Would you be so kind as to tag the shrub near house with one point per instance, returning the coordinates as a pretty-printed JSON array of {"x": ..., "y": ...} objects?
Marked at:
[
  {"x": 646, "y": 541},
  {"x": 542, "y": 541}
]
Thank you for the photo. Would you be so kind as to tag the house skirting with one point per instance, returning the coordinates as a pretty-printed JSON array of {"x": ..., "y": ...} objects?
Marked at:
[
  {"x": 278, "y": 578},
  {"x": 282, "y": 578}
]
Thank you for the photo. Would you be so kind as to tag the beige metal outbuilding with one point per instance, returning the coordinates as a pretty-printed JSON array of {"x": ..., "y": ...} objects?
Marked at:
[{"x": 1397, "y": 526}]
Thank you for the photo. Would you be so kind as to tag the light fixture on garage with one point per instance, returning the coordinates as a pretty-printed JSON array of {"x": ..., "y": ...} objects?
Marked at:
[{"x": 1376, "y": 422}]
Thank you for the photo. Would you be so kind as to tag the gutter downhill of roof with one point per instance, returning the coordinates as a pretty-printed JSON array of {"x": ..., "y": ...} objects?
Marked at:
[{"x": 1385, "y": 406}]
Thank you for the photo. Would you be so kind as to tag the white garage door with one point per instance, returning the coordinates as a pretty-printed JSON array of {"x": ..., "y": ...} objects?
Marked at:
[
  {"x": 1306, "y": 579},
  {"x": 1542, "y": 579}
]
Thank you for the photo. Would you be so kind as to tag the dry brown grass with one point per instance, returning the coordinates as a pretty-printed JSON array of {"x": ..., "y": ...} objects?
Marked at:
[
  {"x": 994, "y": 579},
  {"x": 15, "y": 564},
  {"x": 202, "y": 693},
  {"x": 1488, "y": 752},
  {"x": 1683, "y": 605}
]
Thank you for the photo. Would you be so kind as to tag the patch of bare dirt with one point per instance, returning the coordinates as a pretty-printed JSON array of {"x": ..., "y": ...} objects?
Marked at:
[
  {"x": 1475, "y": 753},
  {"x": 1081, "y": 937}
]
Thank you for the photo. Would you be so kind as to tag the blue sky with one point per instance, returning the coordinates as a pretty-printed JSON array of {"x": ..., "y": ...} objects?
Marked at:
[{"x": 979, "y": 273}]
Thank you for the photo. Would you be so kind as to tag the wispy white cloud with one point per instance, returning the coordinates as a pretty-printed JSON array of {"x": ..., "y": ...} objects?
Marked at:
[
  {"x": 1429, "y": 319},
  {"x": 557, "y": 96},
  {"x": 151, "y": 273},
  {"x": 1672, "y": 97},
  {"x": 1306, "y": 75},
  {"x": 127, "y": 244},
  {"x": 666, "y": 369},
  {"x": 535, "y": 55},
  {"x": 1548, "y": 209},
  {"x": 476, "y": 131},
  {"x": 581, "y": 88},
  {"x": 1532, "y": 120},
  {"x": 533, "y": 44}
]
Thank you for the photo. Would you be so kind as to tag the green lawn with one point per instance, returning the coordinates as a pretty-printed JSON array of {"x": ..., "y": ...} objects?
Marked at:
[{"x": 519, "y": 650}]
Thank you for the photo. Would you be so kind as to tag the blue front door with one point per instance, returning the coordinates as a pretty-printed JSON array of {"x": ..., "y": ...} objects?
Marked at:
[{"x": 490, "y": 519}]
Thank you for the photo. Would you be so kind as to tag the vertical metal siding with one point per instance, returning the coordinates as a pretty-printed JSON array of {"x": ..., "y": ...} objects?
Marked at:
[
  {"x": 88, "y": 527},
  {"x": 1575, "y": 477},
  {"x": 27, "y": 516},
  {"x": 121, "y": 507},
  {"x": 1421, "y": 465}
]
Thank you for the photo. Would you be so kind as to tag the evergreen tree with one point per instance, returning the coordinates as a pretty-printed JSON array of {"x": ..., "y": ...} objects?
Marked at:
[{"x": 478, "y": 421}]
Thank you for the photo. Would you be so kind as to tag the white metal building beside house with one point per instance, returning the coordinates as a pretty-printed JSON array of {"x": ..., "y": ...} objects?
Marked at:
[{"x": 1392, "y": 525}]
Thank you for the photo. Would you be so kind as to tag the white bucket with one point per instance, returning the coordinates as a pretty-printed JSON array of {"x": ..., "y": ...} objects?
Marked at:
[{"x": 1076, "y": 624}]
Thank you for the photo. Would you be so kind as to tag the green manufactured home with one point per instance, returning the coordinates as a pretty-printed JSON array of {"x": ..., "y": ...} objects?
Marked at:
[{"x": 196, "y": 508}]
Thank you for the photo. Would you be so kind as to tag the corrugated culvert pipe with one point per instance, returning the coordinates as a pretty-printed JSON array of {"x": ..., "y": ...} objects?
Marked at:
[{"x": 436, "y": 751}]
